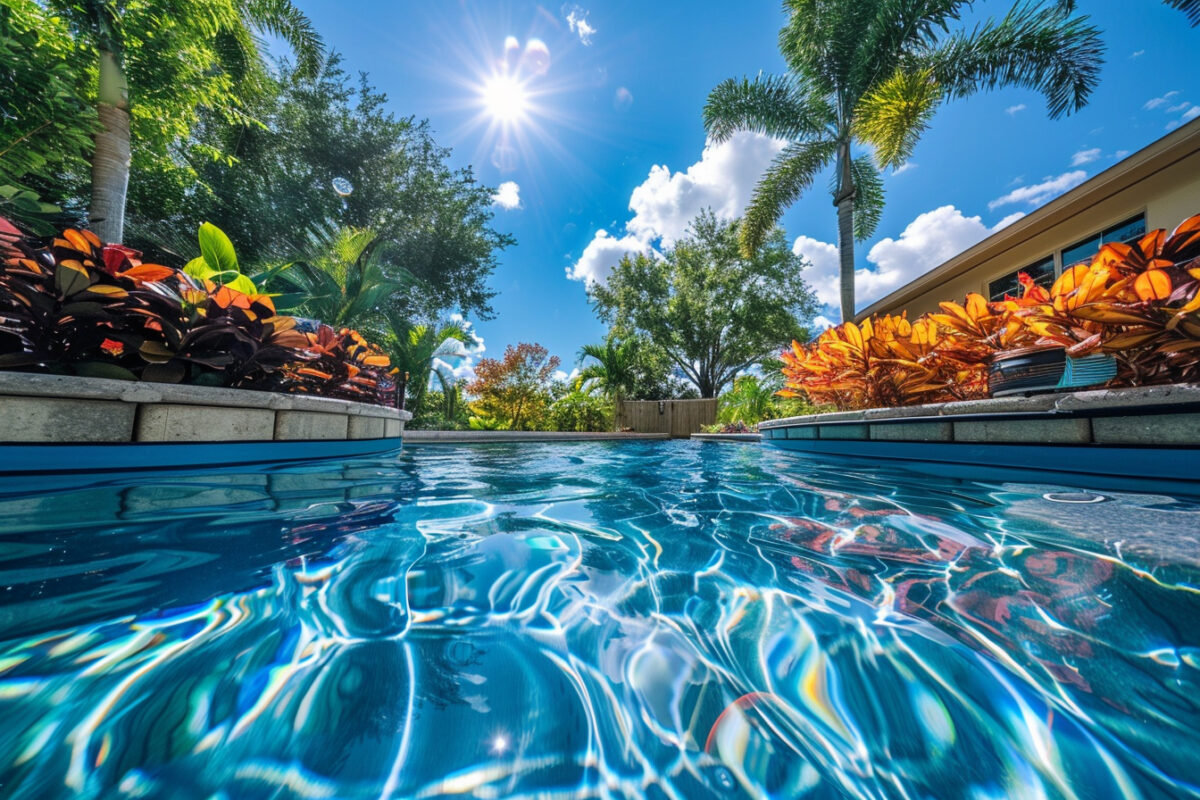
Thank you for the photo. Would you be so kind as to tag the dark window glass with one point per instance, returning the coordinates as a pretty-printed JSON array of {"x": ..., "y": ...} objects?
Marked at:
[
  {"x": 1131, "y": 228},
  {"x": 1042, "y": 273}
]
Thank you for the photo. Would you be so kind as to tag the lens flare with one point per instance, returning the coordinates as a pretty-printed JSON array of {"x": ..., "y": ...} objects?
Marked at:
[{"x": 505, "y": 99}]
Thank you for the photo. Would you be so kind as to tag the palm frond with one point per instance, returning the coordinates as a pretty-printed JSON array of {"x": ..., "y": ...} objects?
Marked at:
[
  {"x": 776, "y": 105},
  {"x": 283, "y": 19},
  {"x": 868, "y": 197},
  {"x": 1190, "y": 8},
  {"x": 1034, "y": 47},
  {"x": 792, "y": 172},
  {"x": 896, "y": 113}
]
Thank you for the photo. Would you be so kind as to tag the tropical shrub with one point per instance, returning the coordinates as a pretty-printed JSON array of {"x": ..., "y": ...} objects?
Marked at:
[
  {"x": 1138, "y": 302},
  {"x": 73, "y": 305},
  {"x": 578, "y": 410}
]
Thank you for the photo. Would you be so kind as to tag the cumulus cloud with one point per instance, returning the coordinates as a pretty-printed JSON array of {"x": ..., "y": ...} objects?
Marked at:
[
  {"x": 1038, "y": 193},
  {"x": 1018, "y": 108},
  {"x": 1085, "y": 156},
  {"x": 602, "y": 254},
  {"x": 1155, "y": 102},
  {"x": 929, "y": 240},
  {"x": 666, "y": 202},
  {"x": 622, "y": 99},
  {"x": 507, "y": 196},
  {"x": 577, "y": 22}
]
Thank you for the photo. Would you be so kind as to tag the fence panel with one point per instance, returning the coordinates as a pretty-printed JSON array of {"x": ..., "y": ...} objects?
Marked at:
[{"x": 679, "y": 418}]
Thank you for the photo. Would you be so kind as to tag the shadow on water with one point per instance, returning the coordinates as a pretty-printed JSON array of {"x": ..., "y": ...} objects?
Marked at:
[{"x": 658, "y": 619}]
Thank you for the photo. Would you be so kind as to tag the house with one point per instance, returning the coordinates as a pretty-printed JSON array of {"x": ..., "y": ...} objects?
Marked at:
[{"x": 1156, "y": 187}]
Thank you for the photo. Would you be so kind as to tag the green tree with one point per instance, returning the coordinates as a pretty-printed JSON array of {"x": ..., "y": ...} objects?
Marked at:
[
  {"x": 614, "y": 366},
  {"x": 712, "y": 309},
  {"x": 433, "y": 221},
  {"x": 579, "y": 410},
  {"x": 158, "y": 63},
  {"x": 515, "y": 391},
  {"x": 46, "y": 121},
  {"x": 871, "y": 74}
]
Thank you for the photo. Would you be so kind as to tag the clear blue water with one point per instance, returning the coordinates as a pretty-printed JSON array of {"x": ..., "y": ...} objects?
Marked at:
[{"x": 606, "y": 619}]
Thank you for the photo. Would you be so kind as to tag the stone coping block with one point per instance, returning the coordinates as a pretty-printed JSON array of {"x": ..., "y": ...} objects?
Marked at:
[
  {"x": 168, "y": 422},
  {"x": 1108, "y": 401},
  {"x": 1065, "y": 430},
  {"x": 727, "y": 437},
  {"x": 292, "y": 425},
  {"x": 457, "y": 437},
  {"x": 27, "y": 384},
  {"x": 58, "y": 419},
  {"x": 1162, "y": 429},
  {"x": 935, "y": 431}
]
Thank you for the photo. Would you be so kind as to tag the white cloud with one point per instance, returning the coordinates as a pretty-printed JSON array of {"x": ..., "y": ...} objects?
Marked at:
[
  {"x": 1019, "y": 107},
  {"x": 1085, "y": 156},
  {"x": 1038, "y": 193},
  {"x": 905, "y": 167},
  {"x": 723, "y": 179},
  {"x": 1155, "y": 102},
  {"x": 1181, "y": 107},
  {"x": 1190, "y": 114},
  {"x": 666, "y": 202},
  {"x": 929, "y": 240},
  {"x": 577, "y": 22},
  {"x": 560, "y": 375},
  {"x": 1120, "y": 154},
  {"x": 1137, "y": 54},
  {"x": 508, "y": 196},
  {"x": 821, "y": 322},
  {"x": 622, "y": 99},
  {"x": 602, "y": 254}
]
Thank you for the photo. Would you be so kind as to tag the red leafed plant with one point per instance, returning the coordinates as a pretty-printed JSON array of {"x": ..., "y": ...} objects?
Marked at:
[
  {"x": 1139, "y": 302},
  {"x": 72, "y": 305}
]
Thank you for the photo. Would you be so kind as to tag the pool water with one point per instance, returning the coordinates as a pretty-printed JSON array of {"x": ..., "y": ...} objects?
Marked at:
[{"x": 646, "y": 619}]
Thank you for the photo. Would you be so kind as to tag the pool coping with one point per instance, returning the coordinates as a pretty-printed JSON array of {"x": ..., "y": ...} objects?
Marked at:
[
  {"x": 72, "y": 423},
  {"x": 727, "y": 437},
  {"x": 477, "y": 437},
  {"x": 1149, "y": 431}
]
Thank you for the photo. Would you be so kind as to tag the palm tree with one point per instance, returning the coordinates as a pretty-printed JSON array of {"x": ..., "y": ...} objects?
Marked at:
[
  {"x": 615, "y": 366},
  {"x": 230, "y": 27},
  {"x": 340, "y": 280},
  {"x": 751, "y": 400},
  {"x": 416, "y": 348},
  {"x": 871, "y": 74}
]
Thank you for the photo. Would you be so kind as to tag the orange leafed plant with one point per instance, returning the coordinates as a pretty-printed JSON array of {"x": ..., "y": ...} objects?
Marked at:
[{"x": 1138, "y": 302}]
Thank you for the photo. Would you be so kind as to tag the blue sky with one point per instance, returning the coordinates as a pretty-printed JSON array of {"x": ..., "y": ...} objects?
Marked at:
[{"x": 613, "y": 94}]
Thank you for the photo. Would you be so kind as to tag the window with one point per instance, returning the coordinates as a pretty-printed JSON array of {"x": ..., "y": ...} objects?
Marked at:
[
  {"x": 1132, "y": 228},
  {"x": 1042, "y": 273}
]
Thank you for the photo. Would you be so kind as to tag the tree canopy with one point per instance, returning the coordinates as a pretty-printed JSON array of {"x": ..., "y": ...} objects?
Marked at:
[
  {"x": 712, "y": 309},
  {"x": 514, "y": 392}
]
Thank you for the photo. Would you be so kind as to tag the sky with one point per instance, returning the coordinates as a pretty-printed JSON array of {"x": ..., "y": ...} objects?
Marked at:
[{"x": 586, "y": 118}]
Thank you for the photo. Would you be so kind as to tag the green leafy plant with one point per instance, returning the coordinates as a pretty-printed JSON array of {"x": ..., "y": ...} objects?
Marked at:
[
  {"x": 578, "y": 410},
  {"x": 217, "y": 262}
]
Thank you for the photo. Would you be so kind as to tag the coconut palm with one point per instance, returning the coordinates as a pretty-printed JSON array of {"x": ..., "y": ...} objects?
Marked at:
[
  {"x": 416, "y": 348},
  {"x": 215, "y": 41},
  {"x": 871, "y": 74}
]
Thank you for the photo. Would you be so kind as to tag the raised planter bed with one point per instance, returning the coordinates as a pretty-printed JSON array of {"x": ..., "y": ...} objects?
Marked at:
[
  {"x": 52, "y": 423},
  {"x": 1141, "y": 432}
]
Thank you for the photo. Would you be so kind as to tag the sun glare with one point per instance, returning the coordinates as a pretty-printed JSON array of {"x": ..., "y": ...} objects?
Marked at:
[{"x": 505, "y": 98}]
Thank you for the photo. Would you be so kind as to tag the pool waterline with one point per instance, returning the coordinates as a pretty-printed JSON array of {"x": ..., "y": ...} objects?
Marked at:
[{"x": 623, "y": 619}]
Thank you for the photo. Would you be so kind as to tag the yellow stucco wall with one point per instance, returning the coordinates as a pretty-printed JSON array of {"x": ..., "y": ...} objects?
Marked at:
[{"x": 1166, "y": 197}]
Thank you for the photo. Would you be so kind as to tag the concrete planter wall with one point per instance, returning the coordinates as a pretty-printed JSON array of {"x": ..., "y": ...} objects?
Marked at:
[
  {"x": 1151, "y": 431},
  {"x": 43, "y": 410}
]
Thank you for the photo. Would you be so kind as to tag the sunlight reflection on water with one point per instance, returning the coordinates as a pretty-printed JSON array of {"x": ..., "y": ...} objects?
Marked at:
[{"x": 627, "y": 620}]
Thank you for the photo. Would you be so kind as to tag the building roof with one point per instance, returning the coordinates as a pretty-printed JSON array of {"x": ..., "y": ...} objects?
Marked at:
[{"x": 1159, "y": 155}]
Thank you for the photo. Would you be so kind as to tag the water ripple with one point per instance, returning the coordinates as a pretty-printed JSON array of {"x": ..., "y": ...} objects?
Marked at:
[{"x": 658, "y": 620}]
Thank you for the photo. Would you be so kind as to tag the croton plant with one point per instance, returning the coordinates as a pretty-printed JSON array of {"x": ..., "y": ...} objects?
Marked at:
[
  {"x": 73, "y": 305},
  {"x": 1138, "y": 302}
]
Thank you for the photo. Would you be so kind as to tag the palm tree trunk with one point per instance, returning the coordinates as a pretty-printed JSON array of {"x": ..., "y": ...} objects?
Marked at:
[
  {"x": 844, "y": 200},
  {"x": 110, "y": 163}
]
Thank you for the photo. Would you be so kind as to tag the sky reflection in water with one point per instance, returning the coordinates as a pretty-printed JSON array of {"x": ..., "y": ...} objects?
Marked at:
[{"x": 626, "y": 620}]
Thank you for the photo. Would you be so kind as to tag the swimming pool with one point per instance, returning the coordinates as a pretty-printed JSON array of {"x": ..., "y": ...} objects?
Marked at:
[{"x": 624, "y": 619}]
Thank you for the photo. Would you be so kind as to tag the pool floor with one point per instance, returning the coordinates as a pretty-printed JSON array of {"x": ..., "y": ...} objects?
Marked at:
[{"x": 610, "y": 619}]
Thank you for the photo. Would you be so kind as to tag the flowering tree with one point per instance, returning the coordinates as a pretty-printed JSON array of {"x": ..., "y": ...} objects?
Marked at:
[{"x": 515, "y": 390}]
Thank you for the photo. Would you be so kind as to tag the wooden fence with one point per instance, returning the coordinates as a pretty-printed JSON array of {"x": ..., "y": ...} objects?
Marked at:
[{"x": 680, "y": 418}]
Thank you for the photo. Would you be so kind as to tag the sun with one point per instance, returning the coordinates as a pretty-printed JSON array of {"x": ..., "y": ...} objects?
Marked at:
[{"x": 505, "y": 98}]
